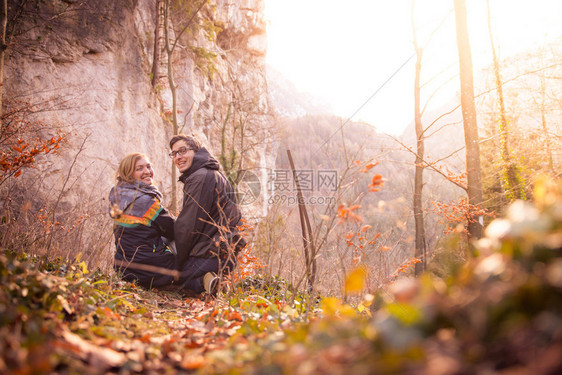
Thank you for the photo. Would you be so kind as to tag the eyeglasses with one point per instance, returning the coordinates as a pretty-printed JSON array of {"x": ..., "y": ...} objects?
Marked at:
[{"x": 181, "y": 152}]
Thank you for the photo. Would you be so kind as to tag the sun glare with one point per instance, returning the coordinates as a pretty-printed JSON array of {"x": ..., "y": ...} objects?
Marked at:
[{"x": 345, "y": 52}]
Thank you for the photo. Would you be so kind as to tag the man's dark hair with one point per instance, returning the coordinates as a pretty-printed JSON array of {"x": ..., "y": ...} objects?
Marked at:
[{"x": 191, "y": 141}]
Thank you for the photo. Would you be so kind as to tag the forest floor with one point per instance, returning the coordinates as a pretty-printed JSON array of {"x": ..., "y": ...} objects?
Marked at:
[
  {"x": 499, "y": 313},
  {"x": 62, "y": 318}
]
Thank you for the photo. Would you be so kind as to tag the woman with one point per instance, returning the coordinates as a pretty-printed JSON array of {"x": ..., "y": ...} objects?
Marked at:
[{"x": 140, "y": 222}]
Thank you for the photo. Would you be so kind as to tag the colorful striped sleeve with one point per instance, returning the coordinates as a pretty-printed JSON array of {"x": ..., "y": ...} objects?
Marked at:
[{"x": 146, "y": 219}]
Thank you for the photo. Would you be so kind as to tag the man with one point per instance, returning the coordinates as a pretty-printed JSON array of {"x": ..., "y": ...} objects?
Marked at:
[{"x": 206, "y": 230}]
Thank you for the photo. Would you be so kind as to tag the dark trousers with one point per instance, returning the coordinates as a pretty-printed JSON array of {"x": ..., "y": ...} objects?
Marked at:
[{"x": 195, "y": 268}]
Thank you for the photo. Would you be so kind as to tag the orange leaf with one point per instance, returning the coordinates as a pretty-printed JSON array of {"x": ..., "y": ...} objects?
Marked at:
[
  {"x": 341, "y": 210},
  {"x": 193, "y": 362},
  {"x": 368, "y": 166},
  {"x": 145, "y": 338},
  {"x": 345, "y": 213},
  {"x": 376, "y": 182},
  {"x": 234, "y": 315}
]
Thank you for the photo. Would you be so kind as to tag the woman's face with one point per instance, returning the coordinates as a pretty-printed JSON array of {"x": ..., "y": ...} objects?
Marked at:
[{"x": 143, "y": 171}]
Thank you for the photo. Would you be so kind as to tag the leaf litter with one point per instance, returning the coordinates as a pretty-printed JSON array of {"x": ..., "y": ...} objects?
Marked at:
[{"x": 501, "y": 312}]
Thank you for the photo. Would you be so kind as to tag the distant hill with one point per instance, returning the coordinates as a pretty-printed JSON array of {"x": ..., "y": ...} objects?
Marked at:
[
  {"x": 320, "y": 139},
  {"x": 321, "y": 142},
  {"x": 446, "y": 135},
  {"x": 288, "y": 101}
]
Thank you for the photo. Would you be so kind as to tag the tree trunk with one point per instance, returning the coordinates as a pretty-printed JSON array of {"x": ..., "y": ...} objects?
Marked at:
[
  {"x": 3, "y": 46},
  {"x": 420, "y": 250},
  {"x": 306, "y": 230},
  {"x": 545, "y": 127},
  {"x": 170, "y": 46},
  {"x": 512, "y": 182},
  {"x": 172, "y": 84},
  {"x": 157, "y": 42},
  {"x": 473, "y": 168}
]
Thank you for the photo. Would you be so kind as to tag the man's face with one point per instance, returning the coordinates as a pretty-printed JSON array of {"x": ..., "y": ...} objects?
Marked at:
[{"x": 183, "y": 155}]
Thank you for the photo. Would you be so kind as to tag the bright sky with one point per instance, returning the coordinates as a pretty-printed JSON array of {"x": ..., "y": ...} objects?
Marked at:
[{"x": 344, "y": 51}]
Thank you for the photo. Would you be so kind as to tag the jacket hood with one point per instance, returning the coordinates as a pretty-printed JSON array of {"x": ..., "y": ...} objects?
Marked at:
[{"x": 202, "y": 159}]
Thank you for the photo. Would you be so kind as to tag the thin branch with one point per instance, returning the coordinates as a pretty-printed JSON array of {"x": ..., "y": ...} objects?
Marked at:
[
  {"x": 438, "y": 74},
  {"x": 187, "y": 25},
  {"x": 493, "y": 89},
  {"x": 443, "y": 127},
  {"x": 448, "y": 156},
  {"x": 440, "y": 117},
  {"x": 435, "y": 92},
  {"x": 430, "y": 165},
  {"x": 80, "y": 149}
]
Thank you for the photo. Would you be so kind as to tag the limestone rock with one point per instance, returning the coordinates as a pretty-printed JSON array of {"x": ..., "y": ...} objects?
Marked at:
[{"x": 90, "y": 63}]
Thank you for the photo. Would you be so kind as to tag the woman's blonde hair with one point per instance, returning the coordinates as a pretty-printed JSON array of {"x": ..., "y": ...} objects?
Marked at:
[{"x": 126, "y": 167}]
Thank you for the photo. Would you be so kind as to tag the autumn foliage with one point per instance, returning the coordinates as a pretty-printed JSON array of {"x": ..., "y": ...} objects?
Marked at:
[
  {"x": 20, "y": 138},
  {"x": 457, "y": 214},
  {"x": 63, "y": 317}
]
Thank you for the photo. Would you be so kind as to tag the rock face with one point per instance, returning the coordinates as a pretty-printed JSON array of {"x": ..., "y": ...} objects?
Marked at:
[{"x": 90, "y": 63}]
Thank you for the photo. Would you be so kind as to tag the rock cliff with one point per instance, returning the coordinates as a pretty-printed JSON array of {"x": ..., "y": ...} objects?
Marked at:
[{"x": 88, "y": 64}]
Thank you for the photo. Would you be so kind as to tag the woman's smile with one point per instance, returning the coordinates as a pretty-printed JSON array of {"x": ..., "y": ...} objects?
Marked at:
[{"x": 143, "y": 171}]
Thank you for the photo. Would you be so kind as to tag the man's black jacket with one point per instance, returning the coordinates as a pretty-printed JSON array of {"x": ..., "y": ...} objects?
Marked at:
[{"x": 210, "y": 214}]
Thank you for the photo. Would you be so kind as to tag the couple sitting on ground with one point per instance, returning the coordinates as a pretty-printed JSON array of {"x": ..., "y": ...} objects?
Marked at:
[{"x": 205, "y": 232}]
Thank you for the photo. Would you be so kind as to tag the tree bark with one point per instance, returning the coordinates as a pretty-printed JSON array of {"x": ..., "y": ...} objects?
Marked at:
[
  {"x": 157, "y": 43},
  {"x": 169, "y": 52},
  {"x": 545, "y": 126},
  {"x": 420, "y": 248},
  {"x": 512, "y": 182},
  {"x": 170, "y": 46},
  {"x": 473, "y": 168},
  {"x": 306, "y": 230},
  {"x": 3, "y": 46}
]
